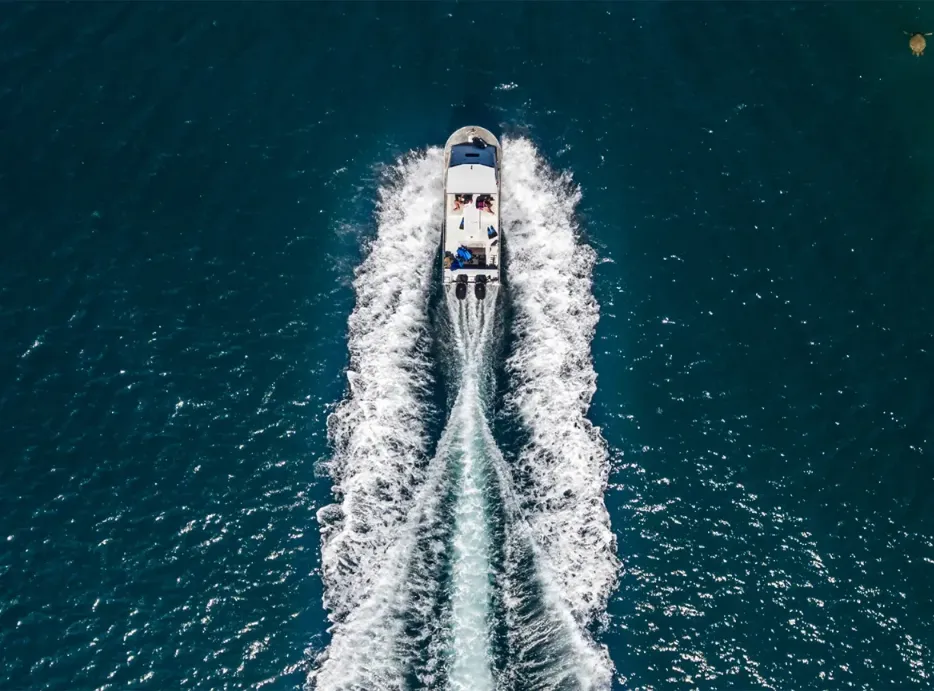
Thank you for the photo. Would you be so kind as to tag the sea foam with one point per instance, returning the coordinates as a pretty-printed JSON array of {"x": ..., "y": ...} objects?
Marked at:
[
  {"x": 407, "y": 546},
  {"x": 564, "y": 465},
  {"x": 387, "y": 495}
]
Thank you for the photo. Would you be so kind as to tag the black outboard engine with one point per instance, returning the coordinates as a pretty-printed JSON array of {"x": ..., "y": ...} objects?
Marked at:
[
  {"x": 479, "y": 288},
  {"x": 460, "y": 290}
]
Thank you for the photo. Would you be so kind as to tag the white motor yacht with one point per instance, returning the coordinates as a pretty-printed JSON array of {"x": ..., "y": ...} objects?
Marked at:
[{"x": 471, "y": 238}]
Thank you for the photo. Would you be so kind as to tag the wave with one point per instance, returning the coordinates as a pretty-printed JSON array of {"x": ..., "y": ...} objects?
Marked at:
[
  {"x": 470, "y": 618},
  {"x": 564, "y": 465},
  {"x": 546, "y": 647},
  {"x": 378, "y": 432}
]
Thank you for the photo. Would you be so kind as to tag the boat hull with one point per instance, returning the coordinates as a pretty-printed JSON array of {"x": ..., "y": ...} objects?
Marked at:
[{"x": 471, "y": 234}]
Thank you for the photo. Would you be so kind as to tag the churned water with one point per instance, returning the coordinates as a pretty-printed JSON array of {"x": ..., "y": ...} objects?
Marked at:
[{"x": 247, "y": 442}]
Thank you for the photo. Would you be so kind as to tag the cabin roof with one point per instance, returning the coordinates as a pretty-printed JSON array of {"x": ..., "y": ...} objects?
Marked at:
[
  {"x": 471, "y": 179},
  {"x": 467, "y": 154}
]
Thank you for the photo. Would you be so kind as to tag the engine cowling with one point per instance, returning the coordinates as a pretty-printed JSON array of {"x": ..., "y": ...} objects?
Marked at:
[{"x": 479, "y": 288}]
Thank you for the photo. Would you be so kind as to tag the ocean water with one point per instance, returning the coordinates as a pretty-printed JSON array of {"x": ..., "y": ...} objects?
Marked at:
[{"x": 246, "y": 443}]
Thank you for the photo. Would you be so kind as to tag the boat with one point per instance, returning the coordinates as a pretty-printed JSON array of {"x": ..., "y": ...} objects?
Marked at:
[{"x": 471, "y": 237}]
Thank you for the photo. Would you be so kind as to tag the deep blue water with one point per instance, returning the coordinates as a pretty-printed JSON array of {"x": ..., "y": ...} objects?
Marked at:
[{"x": 187, "y": 188}]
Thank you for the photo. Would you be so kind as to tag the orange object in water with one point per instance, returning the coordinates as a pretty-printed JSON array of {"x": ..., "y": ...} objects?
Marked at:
[{"x": 917, "y": 43}]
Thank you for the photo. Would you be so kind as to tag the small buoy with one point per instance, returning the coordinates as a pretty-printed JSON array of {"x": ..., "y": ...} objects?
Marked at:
[{"x": 917, "y": 43}]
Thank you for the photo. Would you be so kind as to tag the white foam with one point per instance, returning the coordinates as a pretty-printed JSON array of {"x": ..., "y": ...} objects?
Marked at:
[
  {"x": 369, "y": 648},
  {"x": 552, "y": 381},
  {"x": 384, "y": 540},
  {"x": 547, "y": 647},
  {"x": 470, "y": 616},
  {"x": 379, "y": 439}
]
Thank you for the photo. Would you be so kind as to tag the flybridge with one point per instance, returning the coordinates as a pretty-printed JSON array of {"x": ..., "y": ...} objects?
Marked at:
[{"x": 471, "y": 235}]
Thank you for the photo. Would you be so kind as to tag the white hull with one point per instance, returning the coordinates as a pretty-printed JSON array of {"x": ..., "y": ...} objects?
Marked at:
[{"x": 471, "y": 236}]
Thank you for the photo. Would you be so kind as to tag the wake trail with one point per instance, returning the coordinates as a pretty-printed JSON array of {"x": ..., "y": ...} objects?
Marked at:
[
  {"x": 561, "y": 471},
  {"x": 380, "y": 538},
  {"x": 393, "y": 637},
  {"x": 471, "y": 593},
  {"x": 548, "y": 648},
  {"x": 425, "y": 559}
]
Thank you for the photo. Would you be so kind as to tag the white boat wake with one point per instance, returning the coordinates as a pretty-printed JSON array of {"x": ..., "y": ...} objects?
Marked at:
[
  {"x": 564, "y": 466},
  {"x": 385, "y": 492},
  {"x": 474, "y": 449},
  {"x": 423, "y": 559}
]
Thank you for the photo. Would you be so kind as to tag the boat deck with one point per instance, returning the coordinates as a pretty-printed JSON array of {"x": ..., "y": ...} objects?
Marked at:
[
  {"x": 472, "y": 245},
  {"x": 467, "y": 226}
]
